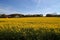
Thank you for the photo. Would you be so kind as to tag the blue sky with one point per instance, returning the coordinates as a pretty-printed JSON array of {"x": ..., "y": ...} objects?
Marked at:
[{"x": 30, "y": 6}]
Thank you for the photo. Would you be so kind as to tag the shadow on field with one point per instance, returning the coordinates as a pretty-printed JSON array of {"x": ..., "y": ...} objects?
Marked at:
[{"x": 30, "y": 34}]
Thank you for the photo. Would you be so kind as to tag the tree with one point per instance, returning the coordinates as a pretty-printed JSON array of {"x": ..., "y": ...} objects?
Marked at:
[
  {"x": 3, "y": 16},
  {"x": 16, "y": 15}
]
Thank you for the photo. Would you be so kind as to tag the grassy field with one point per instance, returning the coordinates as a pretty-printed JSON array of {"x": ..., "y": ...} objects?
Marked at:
[{"x": 30, "y": 28}]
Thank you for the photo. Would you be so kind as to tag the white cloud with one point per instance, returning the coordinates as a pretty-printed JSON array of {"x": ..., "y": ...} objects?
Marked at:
[
  {"x": 37, "y": 2},
  {"x": 8, "y": 10}
]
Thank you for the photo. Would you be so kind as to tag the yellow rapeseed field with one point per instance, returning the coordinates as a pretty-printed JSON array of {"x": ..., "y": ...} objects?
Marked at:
[
  {"x": 30, "y": 28},
  {"x": 29, "y": 22}
]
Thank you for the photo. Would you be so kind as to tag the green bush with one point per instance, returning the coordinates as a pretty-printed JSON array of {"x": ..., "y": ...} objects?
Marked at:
[{"x": 30, "y": 34}]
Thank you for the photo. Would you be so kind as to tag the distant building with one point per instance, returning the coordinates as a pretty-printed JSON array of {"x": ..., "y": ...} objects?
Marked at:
[{"x": 16, "y": 15}]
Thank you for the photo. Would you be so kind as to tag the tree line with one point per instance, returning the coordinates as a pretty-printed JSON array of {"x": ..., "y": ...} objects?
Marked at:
[{"x": 21, "y": 15}]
